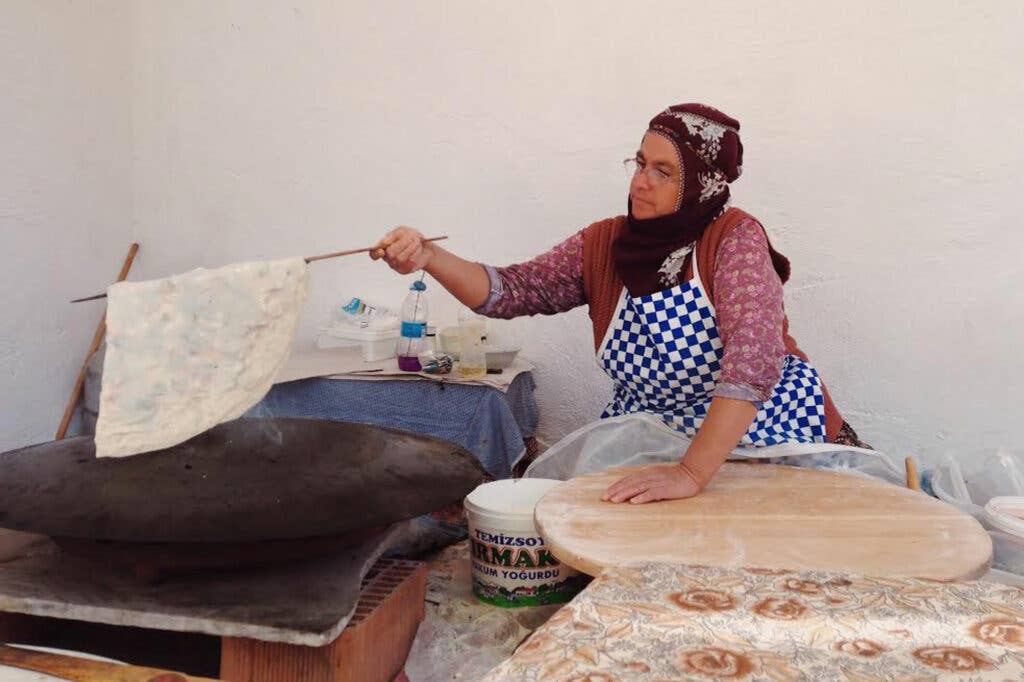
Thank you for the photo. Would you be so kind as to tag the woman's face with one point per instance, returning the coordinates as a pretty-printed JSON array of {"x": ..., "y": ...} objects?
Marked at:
[{"x": 654, "y": 188}]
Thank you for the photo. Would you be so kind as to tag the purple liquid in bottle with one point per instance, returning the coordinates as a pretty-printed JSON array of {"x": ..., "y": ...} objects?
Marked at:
[{"x": 409, "y": 363}]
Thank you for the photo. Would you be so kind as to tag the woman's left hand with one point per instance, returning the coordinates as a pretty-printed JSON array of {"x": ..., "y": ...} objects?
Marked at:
[{"x": 653, "y": 483}]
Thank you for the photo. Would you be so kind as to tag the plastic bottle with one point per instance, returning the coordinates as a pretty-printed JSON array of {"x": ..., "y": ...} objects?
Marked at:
[{"x": 413, "y": 338}]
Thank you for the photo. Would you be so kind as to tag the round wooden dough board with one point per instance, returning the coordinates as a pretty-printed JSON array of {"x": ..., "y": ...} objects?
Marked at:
[{"x": 766, "y": 516}]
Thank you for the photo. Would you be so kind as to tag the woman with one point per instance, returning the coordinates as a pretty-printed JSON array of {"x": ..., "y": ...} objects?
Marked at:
[{"x": 685, "y": 295}]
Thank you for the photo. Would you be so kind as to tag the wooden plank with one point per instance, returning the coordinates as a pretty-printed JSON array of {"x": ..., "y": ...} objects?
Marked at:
[
  {"x": 85, "y": 670},
  {"x": 772, "y": 517}
]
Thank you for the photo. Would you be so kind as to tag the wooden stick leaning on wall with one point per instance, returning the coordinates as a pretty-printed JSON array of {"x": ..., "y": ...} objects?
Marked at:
[{"x": 97, "y": 339}]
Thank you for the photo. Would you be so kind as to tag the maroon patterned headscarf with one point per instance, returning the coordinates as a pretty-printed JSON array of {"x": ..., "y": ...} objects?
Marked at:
[{"x": 710, "y": 155}]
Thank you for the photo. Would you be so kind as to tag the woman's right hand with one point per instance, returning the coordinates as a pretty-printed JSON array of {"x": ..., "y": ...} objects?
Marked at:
[{"x": 404, "y": 250}]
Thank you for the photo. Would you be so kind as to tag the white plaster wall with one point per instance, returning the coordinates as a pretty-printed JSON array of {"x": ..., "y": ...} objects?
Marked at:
[
  {"x": 881, "y": 143},
  {"x": 65, "y": 196},
  {"x": 881, "y": 148}
]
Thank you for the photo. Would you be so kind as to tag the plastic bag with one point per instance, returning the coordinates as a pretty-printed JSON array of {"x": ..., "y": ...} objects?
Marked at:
[
  {"x": 968, "y": 483},
  {"x": 1008, "y": 557},
  {"x": 643, "y": 438}
]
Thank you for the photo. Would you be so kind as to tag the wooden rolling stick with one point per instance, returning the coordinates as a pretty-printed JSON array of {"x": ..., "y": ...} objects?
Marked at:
[{"x": 85, "y": 670}]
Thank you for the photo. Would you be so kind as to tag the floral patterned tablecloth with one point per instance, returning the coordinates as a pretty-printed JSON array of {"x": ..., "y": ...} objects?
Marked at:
[{"x": 695, "y": 623}]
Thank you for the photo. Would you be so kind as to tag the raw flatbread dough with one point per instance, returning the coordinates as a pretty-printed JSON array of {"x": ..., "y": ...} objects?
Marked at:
[{"x": 190, "y": 351}]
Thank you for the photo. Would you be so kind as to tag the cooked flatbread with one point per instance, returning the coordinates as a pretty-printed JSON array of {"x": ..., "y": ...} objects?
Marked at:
[{"x": 190, "y": 351}]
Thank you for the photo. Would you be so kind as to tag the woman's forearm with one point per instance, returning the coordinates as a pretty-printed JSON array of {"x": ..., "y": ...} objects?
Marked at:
[
  {"x": 466, "y": 280},
  {"x": 546, "y": 284},
  {"x": 725, "y": 424},
  {"x": 720, "y": 433}
]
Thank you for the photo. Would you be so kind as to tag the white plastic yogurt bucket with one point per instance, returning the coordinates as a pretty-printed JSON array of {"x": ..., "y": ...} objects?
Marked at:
[{"x": 512, "y": 566}]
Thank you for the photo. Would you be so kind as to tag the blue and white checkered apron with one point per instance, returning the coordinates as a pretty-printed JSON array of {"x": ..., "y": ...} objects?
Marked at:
[{"x": 664, "y": 353}]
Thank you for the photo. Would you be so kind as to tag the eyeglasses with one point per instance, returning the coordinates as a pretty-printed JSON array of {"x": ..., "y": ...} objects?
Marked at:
[{"x": 655, "y": 176}]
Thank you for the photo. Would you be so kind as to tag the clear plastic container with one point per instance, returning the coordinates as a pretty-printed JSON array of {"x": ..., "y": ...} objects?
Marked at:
[
  {"x": 449, "y": 342},
  {"x": 472, "y": 358},
  {"x": 375, "y": 343}
]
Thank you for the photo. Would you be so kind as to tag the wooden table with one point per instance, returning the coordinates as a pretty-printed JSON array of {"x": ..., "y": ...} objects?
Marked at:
[{"x": 767, "y": 516}]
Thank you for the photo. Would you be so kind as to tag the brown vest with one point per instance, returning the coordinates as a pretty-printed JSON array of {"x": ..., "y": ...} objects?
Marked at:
[{"x": 603, "y": 286}]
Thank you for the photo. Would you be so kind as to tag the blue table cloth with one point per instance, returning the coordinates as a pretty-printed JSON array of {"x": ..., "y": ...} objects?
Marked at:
[{"x": 490, "y": 424}]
